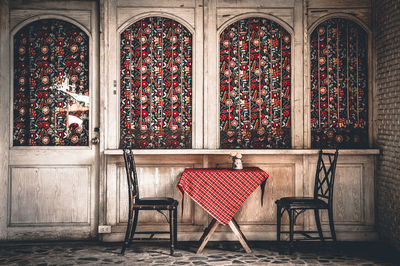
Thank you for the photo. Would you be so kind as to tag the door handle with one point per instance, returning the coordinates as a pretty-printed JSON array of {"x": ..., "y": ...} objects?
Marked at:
[{"x": 95, "y": 140}]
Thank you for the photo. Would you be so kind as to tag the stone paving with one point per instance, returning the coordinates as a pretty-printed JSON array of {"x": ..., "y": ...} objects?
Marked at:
[{"x": 216, "y": 253}]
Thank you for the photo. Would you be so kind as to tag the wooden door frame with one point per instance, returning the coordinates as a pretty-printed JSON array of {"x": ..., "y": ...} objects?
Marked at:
[{"x": 13, "y": 17}]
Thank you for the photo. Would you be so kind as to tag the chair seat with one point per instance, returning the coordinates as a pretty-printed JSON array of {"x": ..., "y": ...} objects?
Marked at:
[
  {"x": 156, "y": 201},
  {"x": 137, "y": 204},
  {"x": 302, "y": 202}
]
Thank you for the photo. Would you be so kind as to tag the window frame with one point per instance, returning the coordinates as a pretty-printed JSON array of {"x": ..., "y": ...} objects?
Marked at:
[
  {"x": 290, "y": 31},
  {"x": 196, "y": 91},
  {"x": 92, "y": 91},
  {"x": 206, "y": 68},
  {"x": 370, "y": 74}
]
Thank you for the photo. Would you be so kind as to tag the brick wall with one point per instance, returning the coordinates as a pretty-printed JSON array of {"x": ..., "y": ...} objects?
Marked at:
[{"x": 387, "y": 43}]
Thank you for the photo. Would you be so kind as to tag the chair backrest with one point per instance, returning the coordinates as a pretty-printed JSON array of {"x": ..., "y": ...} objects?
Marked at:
[
  {"x": 325, "y": 176},
  {"x": 131, "y": 174}
]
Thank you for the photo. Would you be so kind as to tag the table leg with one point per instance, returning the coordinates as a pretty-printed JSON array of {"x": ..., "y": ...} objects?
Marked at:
[
  {"x": 207, "y": 235},
  {"x": 242, "y": 239}
]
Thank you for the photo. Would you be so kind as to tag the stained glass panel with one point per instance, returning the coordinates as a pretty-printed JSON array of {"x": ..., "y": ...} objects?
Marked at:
[
  {"x": 156, "y": 85},
  {"x": 51, "y": 85},
  {"x": 339, "y": 85},
  {"x": 255, "y": 83}
]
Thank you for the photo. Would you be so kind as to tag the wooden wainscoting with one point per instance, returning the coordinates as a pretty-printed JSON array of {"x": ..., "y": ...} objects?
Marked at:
[
  {"x": 353, "y": 197},
  {"x": 290, "y": 174},
  {"x": 49, "y": 196},
  {"x": 51, "y": 202},
  {"x": 157, "y": 176}
]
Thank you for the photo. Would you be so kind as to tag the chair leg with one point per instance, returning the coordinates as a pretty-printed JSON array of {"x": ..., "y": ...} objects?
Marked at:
[
  {"x": 318, "y": 223},
  {"x": 331, "y": 225},
  {"x": 176, "y": 227},
  {"x": 291, "y": 229},
  {"x": 278, "y": 222},
  {"x": 128, "y": 232},
  {"x": 291, "y": 225},
  {"x": 171, "y": 231},
  {"x": 135, "y": 221}
]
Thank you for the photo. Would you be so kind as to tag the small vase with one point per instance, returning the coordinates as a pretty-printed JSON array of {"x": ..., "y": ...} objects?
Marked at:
[{"x": 237, "y": 164}]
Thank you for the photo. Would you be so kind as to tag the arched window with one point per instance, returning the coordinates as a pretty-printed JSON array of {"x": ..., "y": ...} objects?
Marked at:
[
  {"x": 156, "y": 85},
  {"x": 255, "y": 82},
  {"x": 339, "y": 85},
  {"x": 51, "y": 84}
]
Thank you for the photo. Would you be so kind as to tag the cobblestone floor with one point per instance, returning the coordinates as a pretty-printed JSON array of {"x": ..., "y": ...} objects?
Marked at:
[{"x": 226, "y": 253}]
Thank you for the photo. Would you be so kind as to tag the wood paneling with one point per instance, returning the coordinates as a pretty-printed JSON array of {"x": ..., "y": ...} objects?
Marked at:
[
  {"x": 279, "y": 184},
  {"x": 37, "y": 194},
  {"x": 155, "y": 3},
  {"x": 339, "y": 3},
  {"x": 4, "y": 112},
  {"x": 225, "y": 14},
  {"x": 82, "y": 16},
  {"x": 364, "y": 14},
  {"x": 49, "y": 195},
  {"x": 187, "y": 14},
  {"x": 347, "y": 197},
  {"x": 349, "y": 204},
  {"x": 40, "y": 156},
  {"x": 255, "y": 3},
  {"x": 154, "y": 181},
  {"x": 51, "y": 192},
  {"x": 289, "y": 175}
]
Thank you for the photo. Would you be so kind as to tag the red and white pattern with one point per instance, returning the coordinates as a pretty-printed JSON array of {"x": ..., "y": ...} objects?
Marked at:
[
  {"x": 220, "y": 192},
  {"x": 255, "y": 84},
  {"x": 49, "y": 52},
  {"x": 339, "y": 85},
  {"x": 156, "y": 85}
]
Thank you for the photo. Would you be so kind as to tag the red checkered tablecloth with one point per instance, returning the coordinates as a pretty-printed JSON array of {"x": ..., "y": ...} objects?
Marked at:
[{"x": 221, "y": 192}]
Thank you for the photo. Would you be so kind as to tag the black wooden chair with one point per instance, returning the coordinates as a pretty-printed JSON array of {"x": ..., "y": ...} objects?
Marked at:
[
  {"x": 150, "y": 203},
  {"x": 323, "y": 199}
]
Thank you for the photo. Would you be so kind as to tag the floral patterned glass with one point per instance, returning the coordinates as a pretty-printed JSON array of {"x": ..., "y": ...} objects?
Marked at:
[
  {"x": 156, "y": 85},
  {"x": 339, "y": 85},
  {"x": 51, "y": 85},
  {"x": 255, "y": 82}
]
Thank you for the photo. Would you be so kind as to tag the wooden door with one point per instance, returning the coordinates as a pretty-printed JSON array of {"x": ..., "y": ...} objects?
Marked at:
[{"x": 53, "y": 163}]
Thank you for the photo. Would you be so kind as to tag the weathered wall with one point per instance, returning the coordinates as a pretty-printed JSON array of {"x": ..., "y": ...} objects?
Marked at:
[
  {"x": 101, "y": 202},
  {"x": 387, "y": 41}
]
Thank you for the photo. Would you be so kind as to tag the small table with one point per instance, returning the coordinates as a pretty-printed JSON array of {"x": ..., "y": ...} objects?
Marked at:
[{"x": 221, "y": 192}]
